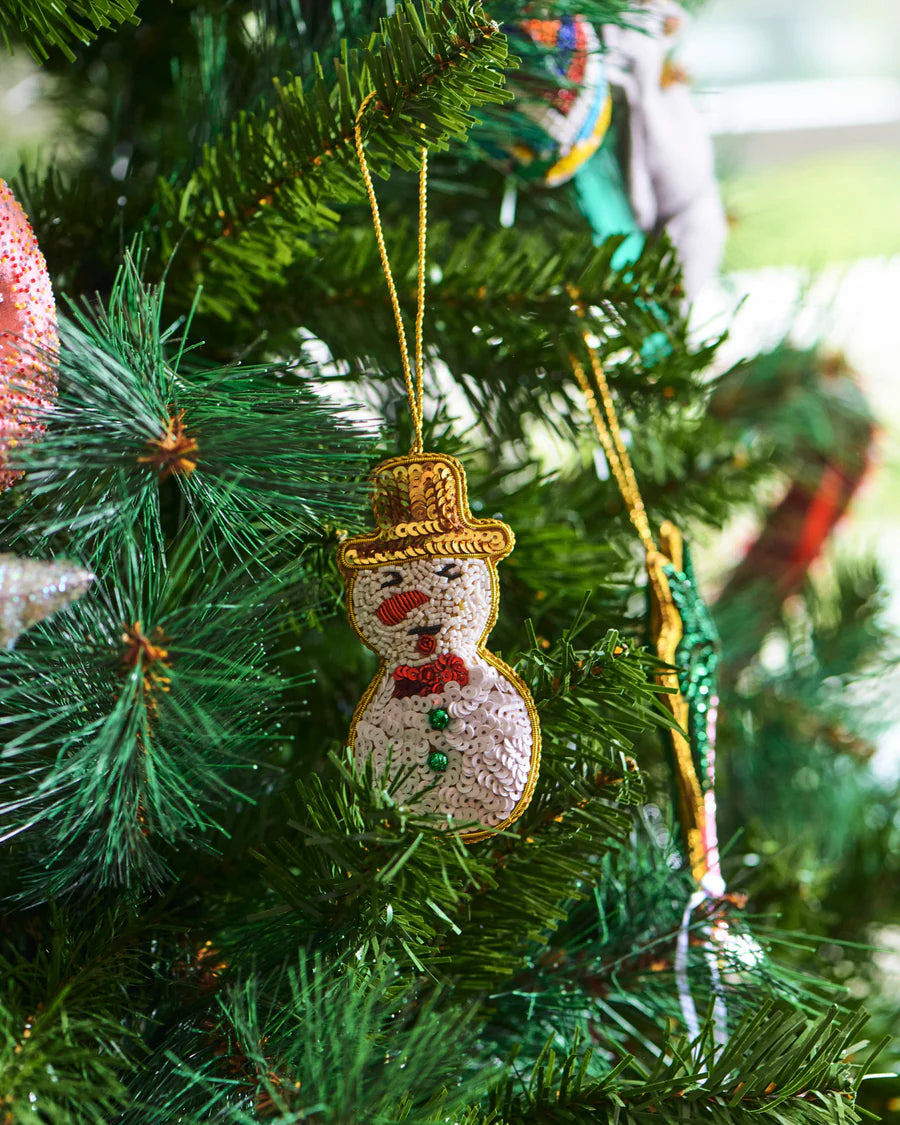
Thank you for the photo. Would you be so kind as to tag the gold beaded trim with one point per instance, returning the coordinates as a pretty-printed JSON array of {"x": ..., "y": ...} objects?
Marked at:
[{"x": 421, "y": 511}]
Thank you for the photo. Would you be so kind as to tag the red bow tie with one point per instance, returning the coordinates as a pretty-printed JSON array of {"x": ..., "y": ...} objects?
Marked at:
[{"x": 429, "y": 679}]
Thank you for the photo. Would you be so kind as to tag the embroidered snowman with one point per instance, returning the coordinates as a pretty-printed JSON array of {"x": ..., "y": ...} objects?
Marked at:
[{"x": 444, "y": 720}]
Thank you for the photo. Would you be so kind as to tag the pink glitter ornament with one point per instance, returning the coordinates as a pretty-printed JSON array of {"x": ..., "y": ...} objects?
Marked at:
[{"x": 28, "y": 338}]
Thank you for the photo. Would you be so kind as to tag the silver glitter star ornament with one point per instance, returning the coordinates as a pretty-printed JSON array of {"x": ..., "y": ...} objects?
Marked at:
[{"x": 33, "y": 589}]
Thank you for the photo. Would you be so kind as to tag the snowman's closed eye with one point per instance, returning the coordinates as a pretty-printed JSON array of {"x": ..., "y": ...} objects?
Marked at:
[
  {"x": 394, "y": 580},
  {"x": 451, "y": 570}
]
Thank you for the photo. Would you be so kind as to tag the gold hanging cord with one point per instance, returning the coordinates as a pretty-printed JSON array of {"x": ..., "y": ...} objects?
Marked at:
[
  {"x": 414, "y": 386},
  {"x": 667, "y": 625}
]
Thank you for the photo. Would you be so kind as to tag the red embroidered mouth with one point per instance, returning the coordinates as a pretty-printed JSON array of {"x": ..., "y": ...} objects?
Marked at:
[
  {"x": 426, "y": 644},
  {"x": 395, "y": 608}
]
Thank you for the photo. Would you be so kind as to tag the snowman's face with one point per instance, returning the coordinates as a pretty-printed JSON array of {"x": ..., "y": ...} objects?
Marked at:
[{"x": 411, "y": 612}]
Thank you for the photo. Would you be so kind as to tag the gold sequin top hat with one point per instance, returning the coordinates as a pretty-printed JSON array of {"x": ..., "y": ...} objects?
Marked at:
[{"x": 421, "y": 511}]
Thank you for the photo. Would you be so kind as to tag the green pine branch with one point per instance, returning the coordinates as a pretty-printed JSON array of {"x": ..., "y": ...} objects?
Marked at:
[
  {"x": 494, "y": 298},
  {"x": 43, "y": 25},
  {"x": 798, "y": 404},
  {"x": 777, "y": 1067},
  {"x": 325, "y": 1042},
  {"x": 801, "y": 716},
  {"x": 61, "y": 1061},
  {"x": 204, "y": 69},
  {"x": 499, "y": 318},
  {"x": 355, "y": 870},
  {"x": 66, "y": 1037},
  {"x": 254, "y": 454},
  {"x": 137, "y": 721},
  {"x": 279, "y": 173},
  {"x": 613, "y": 960}
]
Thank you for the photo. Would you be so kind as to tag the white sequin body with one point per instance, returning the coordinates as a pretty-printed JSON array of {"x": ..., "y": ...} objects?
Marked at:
[{"x": 489, "y": 740}]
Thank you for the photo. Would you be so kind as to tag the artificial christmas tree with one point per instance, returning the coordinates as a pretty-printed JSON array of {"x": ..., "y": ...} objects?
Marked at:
[{"x": 214, "y": 909}]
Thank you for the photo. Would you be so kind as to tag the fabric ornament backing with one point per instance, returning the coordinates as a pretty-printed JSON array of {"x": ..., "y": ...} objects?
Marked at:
[{"x": 670, "y": 164}]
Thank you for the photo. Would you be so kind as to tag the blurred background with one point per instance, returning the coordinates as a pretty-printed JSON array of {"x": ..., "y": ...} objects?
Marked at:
[{"x": 803, "y": 101}]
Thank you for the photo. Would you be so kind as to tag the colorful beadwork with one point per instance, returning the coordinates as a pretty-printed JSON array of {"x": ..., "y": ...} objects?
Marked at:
[
  {"x": 430, "y": 570},
  {"x": 430, "y": 678},
  {"x": 569, "y": 123},
  {"x": 28, "y": 337},
  {"x": 422, "y": 594}
]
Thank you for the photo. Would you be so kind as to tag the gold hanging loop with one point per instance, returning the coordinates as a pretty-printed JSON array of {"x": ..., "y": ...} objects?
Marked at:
[{"x": 414, "y": 383}]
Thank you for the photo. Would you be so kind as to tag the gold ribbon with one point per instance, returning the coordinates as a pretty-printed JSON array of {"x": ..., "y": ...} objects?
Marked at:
[
  {"x": 665, "y": 619},
  {"x": 414, "y": 386}
]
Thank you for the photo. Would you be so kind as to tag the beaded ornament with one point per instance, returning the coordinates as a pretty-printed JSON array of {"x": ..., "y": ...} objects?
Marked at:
[
  {"x": 569, "y": 121},
  {"x": 27, "y": 333},
  {"x": 444, "y": 715},
  {"x": 32, "y": 590},
  {"x": 687, "y": 638}
]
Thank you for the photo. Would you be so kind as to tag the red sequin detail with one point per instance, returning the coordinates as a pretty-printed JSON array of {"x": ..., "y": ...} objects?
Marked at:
[
  {"x": 393, "y": 609},
  {"x": 426, "y": 644},
  {"x": 429, "y": 679},
  {"x": 27, "y": 332}
]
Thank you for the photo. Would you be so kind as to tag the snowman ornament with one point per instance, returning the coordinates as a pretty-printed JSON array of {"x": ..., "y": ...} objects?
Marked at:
[{"x": 447, "y": 724}]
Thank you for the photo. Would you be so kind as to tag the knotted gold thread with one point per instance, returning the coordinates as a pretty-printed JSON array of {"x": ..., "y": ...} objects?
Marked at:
[
  {"x": 414, "y": 386},
  {"x": 670, "y": 629}
]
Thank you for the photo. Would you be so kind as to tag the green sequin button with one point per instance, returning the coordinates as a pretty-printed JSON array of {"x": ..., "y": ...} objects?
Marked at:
[
  {"x": 437, "y": 759},
  {"x": 439, "y": 719}
]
